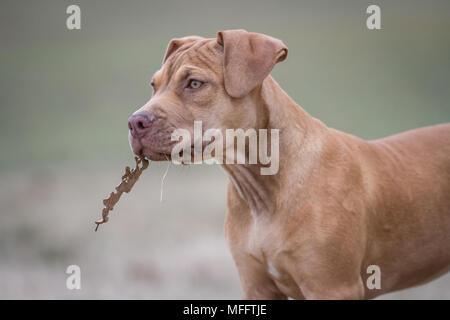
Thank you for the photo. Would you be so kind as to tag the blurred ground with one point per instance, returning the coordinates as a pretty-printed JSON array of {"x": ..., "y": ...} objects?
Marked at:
[
  {"x": 174, "y": 249},
  {"x": 65, "y": 97}
]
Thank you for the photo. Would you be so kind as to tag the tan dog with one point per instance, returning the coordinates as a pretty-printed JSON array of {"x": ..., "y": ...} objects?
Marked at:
[{"x": 337, "y": 205}]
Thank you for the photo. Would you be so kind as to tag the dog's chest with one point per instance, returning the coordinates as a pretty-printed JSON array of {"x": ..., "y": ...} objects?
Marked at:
[{"x": 265, "y": 245}]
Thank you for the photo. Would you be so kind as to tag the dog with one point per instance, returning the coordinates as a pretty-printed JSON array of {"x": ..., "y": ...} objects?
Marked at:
[{"x": 337, "y": 205}]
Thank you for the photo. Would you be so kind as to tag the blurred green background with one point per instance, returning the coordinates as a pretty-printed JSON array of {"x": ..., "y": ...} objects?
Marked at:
[{"x": 65, "y": 96}]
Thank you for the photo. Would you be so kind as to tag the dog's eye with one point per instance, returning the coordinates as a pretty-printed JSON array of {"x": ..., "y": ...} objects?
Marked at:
[{"x": 195, "y": 84}]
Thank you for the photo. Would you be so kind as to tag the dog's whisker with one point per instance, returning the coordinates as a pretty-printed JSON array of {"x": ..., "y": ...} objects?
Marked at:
[{"x": 162, "y": 180}]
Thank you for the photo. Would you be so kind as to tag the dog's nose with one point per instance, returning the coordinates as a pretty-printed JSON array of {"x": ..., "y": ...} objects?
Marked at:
[{"x": 139, "y": 123}]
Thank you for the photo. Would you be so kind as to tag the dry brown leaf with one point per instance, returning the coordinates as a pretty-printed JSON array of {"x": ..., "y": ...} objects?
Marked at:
[{"x": 128, "y": 180}]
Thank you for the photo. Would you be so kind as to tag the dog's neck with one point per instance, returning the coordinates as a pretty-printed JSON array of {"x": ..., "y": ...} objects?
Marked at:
[{"x": 299, "y": 134}]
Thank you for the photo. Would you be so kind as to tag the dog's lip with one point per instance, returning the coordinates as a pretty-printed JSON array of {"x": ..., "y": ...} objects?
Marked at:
[
  {"x": 155, "y": 156},
  {"x": 140, "y": 148},
  {"x": 159, "y": 155},
  {"x": 150, "y": 153}
]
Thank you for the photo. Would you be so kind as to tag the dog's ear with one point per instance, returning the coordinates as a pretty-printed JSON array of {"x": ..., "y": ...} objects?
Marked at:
[
  {"x": 248, "y": 59},
  {"x": 175, "y": 44}
]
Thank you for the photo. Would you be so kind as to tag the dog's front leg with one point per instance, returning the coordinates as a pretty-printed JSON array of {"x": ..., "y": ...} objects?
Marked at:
[
  {"x": 256, "y": 283},
  {"x": 344, "y": 291},
  {"x": 323, "y": 280}
]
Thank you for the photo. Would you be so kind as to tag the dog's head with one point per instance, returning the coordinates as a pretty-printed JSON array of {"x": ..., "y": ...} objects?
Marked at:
[{"x": 209, "y": 80}]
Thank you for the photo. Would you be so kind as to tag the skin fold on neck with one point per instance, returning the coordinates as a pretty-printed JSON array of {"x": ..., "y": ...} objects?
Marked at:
[{"x": 299, "y": 133}]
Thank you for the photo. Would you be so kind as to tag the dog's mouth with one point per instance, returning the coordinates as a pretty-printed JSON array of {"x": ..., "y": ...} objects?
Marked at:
[
  {"x": 163, "y": 156},
  {"x": 163, "y": 152},
  {"x": 155, "y": 156},
  {"x": 150, "y": 152},
  {"x": 151, "y": 149}
]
